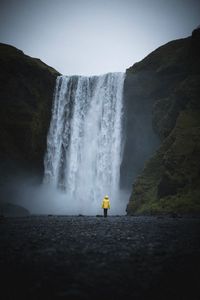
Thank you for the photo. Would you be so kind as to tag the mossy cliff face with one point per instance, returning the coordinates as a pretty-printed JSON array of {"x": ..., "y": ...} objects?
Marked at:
[
  {"x": 26, "y": 94},
  {"x": 170, "y": 180}
]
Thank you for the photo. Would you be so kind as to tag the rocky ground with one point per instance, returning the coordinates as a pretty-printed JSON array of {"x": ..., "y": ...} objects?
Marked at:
[{"x": 50, "y": 257}]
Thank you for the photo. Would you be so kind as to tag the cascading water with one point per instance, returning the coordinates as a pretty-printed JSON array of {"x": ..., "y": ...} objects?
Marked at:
[{"x": 84, "y": 143}]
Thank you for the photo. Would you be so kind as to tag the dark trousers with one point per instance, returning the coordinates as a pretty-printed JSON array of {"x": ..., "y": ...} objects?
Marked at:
[{"x": 105, "y": 211}]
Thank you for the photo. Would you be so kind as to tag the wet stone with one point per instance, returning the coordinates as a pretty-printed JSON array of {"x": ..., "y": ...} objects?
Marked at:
[{"x": 89, "y": 258}]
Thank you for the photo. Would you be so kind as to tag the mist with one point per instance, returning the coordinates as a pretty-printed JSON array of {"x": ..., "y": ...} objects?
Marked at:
[
  {"x": 42, "y": 199},
  {"x": 94, "y": 37},
  {"x": 84, "y": 150}
]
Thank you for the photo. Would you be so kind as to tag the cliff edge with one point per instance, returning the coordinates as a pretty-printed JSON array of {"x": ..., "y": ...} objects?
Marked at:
[
  {"x": 170, "y": 179},
  {"x": 26, "y": 94}
]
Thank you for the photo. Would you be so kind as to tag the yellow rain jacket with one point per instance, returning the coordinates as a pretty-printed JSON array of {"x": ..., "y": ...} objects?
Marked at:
[{"x": 106, "y": 203}]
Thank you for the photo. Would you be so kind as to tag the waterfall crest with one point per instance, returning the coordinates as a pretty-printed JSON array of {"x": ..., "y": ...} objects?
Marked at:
[{"x": 84, "y": 143}]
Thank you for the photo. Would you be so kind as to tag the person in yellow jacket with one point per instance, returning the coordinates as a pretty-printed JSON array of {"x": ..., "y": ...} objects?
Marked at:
[{"x": 105, "y": 205}]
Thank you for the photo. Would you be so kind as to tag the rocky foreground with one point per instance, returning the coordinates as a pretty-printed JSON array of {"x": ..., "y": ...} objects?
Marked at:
[{"x": 50, "y": 257}]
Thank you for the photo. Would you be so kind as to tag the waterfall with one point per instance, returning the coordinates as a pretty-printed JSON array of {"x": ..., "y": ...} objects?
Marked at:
[{"x": 84, "y": 143}]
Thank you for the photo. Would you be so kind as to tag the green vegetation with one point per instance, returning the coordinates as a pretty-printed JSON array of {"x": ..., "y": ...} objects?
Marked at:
[
  {"x": 170, "y": 180},
  {"x": 26, "y": 94},
  {"x": 166, "y": 83}
]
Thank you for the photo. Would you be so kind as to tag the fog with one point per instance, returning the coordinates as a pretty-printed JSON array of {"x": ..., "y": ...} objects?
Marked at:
[
  {"x": 84, "y": 150},
  {"x": 41, "y": 199},
  {"x": 87, "y": 37},
  {"x": 91, "y": 36}
]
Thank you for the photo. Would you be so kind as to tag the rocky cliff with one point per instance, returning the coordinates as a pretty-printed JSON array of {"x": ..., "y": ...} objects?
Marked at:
[
  {"x": 26, "y": 93},
  {"x": 169, "y": 83},
  {"x": 162, "y": 112}
]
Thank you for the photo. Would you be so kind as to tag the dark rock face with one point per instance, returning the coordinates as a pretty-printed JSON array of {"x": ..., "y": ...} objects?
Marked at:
[
  {"x": 170, "y": 180},
  {"x": 147, "y": 87},
  {"x": 26, "y": 94},
  {"x": 161, "y": 108},
  {"x": 140, "y": 139}
]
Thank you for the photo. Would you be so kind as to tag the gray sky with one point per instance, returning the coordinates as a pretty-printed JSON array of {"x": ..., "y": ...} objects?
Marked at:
[{"x": 94, "y": 36}]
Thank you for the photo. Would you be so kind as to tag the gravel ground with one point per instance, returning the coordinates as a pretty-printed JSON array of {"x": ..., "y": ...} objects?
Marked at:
[{"x": 79, "y": 257}]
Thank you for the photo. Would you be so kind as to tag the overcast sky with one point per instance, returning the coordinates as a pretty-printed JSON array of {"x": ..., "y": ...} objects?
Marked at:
[{"x": 94, "y": 36}]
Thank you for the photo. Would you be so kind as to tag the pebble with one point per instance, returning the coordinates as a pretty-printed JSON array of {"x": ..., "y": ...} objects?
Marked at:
[{"x": 69, "y": 257}]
